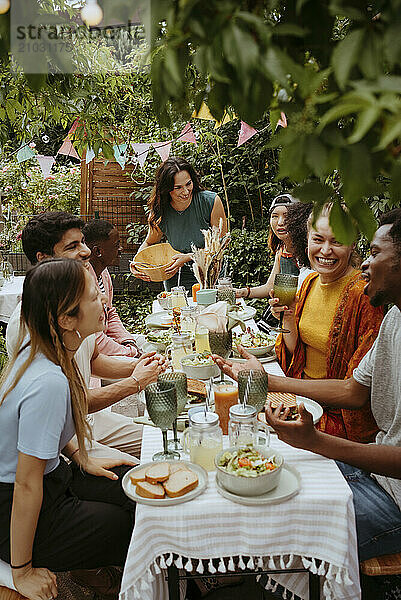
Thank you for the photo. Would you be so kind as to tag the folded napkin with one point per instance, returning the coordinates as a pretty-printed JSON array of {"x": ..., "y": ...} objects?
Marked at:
[{"x": 219, "y": 317}]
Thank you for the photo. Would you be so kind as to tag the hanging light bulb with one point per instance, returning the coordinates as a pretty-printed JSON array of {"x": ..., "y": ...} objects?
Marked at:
[
  {"x": 4, "y": 6},
  {"x": 91, "y": 13}
]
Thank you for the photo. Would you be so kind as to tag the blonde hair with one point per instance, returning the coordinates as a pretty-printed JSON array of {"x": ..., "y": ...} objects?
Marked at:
[{"x": 51, "y": 289}]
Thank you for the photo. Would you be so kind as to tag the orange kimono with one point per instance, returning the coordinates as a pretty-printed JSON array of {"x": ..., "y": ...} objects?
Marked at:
[{"x": 354, "y": 328}]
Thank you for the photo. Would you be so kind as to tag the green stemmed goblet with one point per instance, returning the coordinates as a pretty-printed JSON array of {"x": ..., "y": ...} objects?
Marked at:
[
  {"x": 257, "y": 389},
  {"x": 285, "y": 289},
  {"x": 221, "y": 343},
  {"x": 180, "y": 382},
  {"x": 161, "y": 405}
]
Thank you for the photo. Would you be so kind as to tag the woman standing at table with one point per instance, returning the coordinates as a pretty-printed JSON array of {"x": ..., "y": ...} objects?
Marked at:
[
  {"x": 55, "y": 515},
  {"x": 179, "y": 208},
  {"x": 332, "y": 326}
]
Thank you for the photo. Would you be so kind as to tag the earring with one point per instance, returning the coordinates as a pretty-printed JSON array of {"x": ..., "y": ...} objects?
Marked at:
[{"x": 78, "y": 336}]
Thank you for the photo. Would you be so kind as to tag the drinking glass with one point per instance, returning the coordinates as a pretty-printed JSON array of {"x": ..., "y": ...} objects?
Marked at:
[
  {"x": 221, "y": 343},
  {"x": 162, "y": 408},
  {"x": 285, "y": 289},
  {"x": 180, "y": 381},
  {"x": 258, "y": 387}
]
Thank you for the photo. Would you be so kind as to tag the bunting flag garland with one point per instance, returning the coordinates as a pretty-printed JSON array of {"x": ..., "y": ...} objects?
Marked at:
[
  {"x": 245, "y": 133},
  {"x": 25, "y": 153},
  {"x": 90, "y": 155},
  {"x": 73, "y": 127},
  {"x": 282, "y": 122},
  {"x": 203, "y": 113},
  {"x": 120, "y": 154},
  {"x": 68, "y": 149},
  {"x": 45, "y": 163},
  {"x": 141, "y": 151},
  {"x": 187, "y": 135},
  {"x": 226, "y": 119},
  {"x": 163, "y": 149}
]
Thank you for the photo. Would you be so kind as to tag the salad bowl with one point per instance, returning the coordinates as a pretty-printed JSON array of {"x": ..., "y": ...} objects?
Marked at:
[
  {"x": 256, "y": 343},
  {"x": 199, "y": 366},
  {"x": 246, "y": 480}
]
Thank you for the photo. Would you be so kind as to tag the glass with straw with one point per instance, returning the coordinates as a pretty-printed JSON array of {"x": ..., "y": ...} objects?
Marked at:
[
  {"x": 179, "y": 380},
  {"x": 161, "y": 405},
  {"x": 221, "y": 343},
  {"x": 252, "y": 388},
  {"x": 285, "y": 289}
]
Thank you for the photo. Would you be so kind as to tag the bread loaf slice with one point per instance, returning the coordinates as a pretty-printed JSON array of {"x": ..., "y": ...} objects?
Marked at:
[
  {"x": 150, "y": 490},
  {"x": 158, "y": 473},
  {"x": 180, "y": 483},
  {"x": 174, "y": 467},
  {"x": 197, "y": 387},
  {"x": 138, "y": 475}
]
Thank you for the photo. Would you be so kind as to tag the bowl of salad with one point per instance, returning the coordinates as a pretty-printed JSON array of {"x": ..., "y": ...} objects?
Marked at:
[
  {"x": 249, "y": 470},
  {"x": 163, "y": 299},
  {"x": 160, "y": 339},
  {"x": 255, "y": 342},
  {"x": 199, "y": 366}
]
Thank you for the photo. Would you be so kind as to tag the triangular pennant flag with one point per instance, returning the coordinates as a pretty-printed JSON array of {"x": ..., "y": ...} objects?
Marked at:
[
  {"x": 282, "y": 122},
  {"x": 73, "y": 127},
  {"x": 226, "y": 119},
  {"x": 90, "y": 155},
  {"x": 25, "y": 153},
  {"x": 187, "y": 135},
  {"x": 162, "y": 149},
  {"x": 45, "y": 163},
  {"x": 245, "y": 133},
  {"x": 120, "y": 154},
  {"x": 203, "y": 113},
  {"x": 141, "y": 151},
  {"x": 68, "y": 149}
]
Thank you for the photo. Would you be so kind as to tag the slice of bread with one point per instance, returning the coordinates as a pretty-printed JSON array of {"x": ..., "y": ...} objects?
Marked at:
[
  {"x": 138, "y": 475},
  {"x": 180, "y": 483},
  {"x": 197, "y": 387},
  {"x": 149, "y": 490},
  {"x": 174, "y": 467},
  {"x": 158, "y": 473}
]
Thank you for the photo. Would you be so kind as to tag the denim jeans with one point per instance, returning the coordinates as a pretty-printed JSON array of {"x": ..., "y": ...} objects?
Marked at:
[{"x": 378, "y": 518}]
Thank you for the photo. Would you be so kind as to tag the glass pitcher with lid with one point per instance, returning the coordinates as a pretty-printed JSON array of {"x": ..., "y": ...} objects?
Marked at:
[
  {"x": 203, "y": 439},
  {"x": 181, "y": 346},
  {"x": 244, "y": 428}
]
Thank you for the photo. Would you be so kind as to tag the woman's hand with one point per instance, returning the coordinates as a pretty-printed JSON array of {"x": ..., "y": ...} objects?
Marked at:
[
  {"x": 277, "y": 308},
  {"x": 300, "y": 433},
  {"x": 100, "y": 466},
  {"x": 138, "y": 274},
  {"x": 178, "y": 260},
  {"x": 241, "y": 293},
  {"x": 148, "y": 367},
  {"x": 232, "y": 368},
  {"x": 35, "y": 584}
]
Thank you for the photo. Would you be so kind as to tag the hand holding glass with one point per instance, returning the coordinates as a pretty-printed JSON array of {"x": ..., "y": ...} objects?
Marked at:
[{"x": 285, "y": 289}]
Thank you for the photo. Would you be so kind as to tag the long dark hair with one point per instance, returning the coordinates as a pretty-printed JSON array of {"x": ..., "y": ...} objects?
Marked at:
[
  {"x": 296, "y": 222},
  {"x": 164, "y": 184}
]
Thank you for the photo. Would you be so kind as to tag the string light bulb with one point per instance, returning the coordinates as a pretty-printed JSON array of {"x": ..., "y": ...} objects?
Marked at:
[
  {"x": 91, "y": 13},
  {"x": 4, "y": 6}
]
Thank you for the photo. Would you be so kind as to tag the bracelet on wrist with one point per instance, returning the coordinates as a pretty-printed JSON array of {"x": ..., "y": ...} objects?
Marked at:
[
  {"x": 249, "y": 291},
  {"x": 21, "y": 566},
  {"x": 139, "y": 385}
]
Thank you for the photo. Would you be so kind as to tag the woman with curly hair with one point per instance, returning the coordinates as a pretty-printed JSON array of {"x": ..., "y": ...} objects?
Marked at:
[{"x": 179, "y": 208}]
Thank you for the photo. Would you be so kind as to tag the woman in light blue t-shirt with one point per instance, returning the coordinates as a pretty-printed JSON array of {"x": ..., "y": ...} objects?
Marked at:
[
  {"x": 63, "y": 516},
  {"x": 179, "y": 208}
]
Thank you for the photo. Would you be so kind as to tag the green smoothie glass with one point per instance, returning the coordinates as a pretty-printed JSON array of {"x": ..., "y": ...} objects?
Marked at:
[{"x": 285, "y": 289}]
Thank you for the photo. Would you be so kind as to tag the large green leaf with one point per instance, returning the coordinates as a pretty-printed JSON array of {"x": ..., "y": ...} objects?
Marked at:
[
  {"x": 316, "y": 156},
  {"x": 315, "y": 191},
  {"x": 342, "y": 226},
  {"x": 364, "y": 218},
  {"x": 346, "y": 54},
  {"x": 365, "y": 121}
]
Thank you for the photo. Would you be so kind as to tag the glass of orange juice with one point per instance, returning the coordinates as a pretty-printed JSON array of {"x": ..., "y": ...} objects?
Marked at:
[{"x": 225, "y": 395}]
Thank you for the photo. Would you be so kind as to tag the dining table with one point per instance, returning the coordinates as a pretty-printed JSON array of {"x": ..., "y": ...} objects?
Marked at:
[
  {"x": 303, "y": 547},
  {"x": 10, "y": 297}
]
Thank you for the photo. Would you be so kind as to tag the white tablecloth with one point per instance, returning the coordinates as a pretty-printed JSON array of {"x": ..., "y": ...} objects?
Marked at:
[
  {"x": 318, "y": 523},
  {"x": 10, "y": 296}
]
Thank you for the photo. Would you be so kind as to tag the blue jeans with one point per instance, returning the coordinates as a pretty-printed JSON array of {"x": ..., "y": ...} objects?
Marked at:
[{"x": 378, "y": 518}]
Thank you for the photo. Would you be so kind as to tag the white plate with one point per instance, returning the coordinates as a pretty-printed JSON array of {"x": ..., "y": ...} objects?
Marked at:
[
  {"x": 159, "y": 320},
  {"x": 263, "y": 359},
  {"x": 129, "y": 487},
  {"x": 288, "y": 487},
  {"x": 245, "y": 313},
  {"x": 311, "y": 406}
]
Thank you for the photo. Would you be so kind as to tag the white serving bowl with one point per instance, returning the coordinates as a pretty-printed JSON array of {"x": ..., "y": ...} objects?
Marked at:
[
  {"x": 260, "y": 350},
  {"x": 199, "y": 372},
  {"x": 163, "y": 301},
  {"x": 250, "y": 486}
]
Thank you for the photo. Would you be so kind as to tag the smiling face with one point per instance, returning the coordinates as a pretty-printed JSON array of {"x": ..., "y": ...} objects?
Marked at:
[
  {"x": 382, "y": 269},
  {"x": 327, "y": 256},
  {"x": 181, "y": 194},
  {"x": 71, "y": 245},
  {"x": 277, "y": 222},
  {"x": 91, "y": 316}
]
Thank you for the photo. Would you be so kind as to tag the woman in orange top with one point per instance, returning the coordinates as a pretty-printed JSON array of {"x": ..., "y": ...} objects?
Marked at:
[{"x": 332, "y": 326}]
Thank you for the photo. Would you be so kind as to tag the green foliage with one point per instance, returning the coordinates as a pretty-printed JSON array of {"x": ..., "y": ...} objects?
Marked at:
[{"x": 133, "y": 308}]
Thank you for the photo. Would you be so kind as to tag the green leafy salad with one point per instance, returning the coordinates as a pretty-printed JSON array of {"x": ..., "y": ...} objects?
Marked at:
[
  {"x": 160, "y": 337},
  {"x": 247, "y": 462}
]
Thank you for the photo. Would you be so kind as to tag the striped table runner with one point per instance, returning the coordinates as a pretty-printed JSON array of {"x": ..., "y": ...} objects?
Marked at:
[{"x": 318, "y": 523}]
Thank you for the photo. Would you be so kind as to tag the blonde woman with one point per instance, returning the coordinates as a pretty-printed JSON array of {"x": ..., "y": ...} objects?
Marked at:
[{"x": 55, "y": 516}]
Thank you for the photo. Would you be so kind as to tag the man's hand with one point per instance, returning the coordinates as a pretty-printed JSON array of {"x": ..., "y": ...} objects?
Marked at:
[
  {"x": 232, "y": 368},
  {"x": 100, "y": 466},
  {"x": 300, "y": 433},
  {"x": 35, "y": 584}
]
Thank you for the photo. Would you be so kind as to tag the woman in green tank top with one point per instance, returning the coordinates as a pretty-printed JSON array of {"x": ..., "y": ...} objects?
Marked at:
[{"x": 179, "y": 208}]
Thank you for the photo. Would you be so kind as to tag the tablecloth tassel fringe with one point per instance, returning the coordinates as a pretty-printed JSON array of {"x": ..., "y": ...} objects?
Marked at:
[
  {"x": 188, "y": 565},
  {"x": 282, "y": 564},
  {"x": 178, "y": 562},
  {"x": 290, "y": 561},
  {"x": 313, "y": 567},
  {"x": 306, "y": 563},
  {"x": 222, "y": 567},
  {"x": 156, "y": 567},
  {"x": 241, "y": 564},
  {"x": 275, "y": 586},
  {"x": 346, "y": 577},
  {"x": 259, "y": 563},
  {"x": 231, "y": 565},
  {"x": 145, "y": 585},
  {"x": 211, "y": 567},
  {"x": 162, "y": 562},
  {"x": 268, "y": 584},
  {"x": 169, "y": 560},
  {"x": 199, "y": 568},
  {"x": 251, "y": 563},
  {"x": 322, "y": 568},
  {"x": 329, "y": 574},
  {"x": 272, "y": 564}
]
